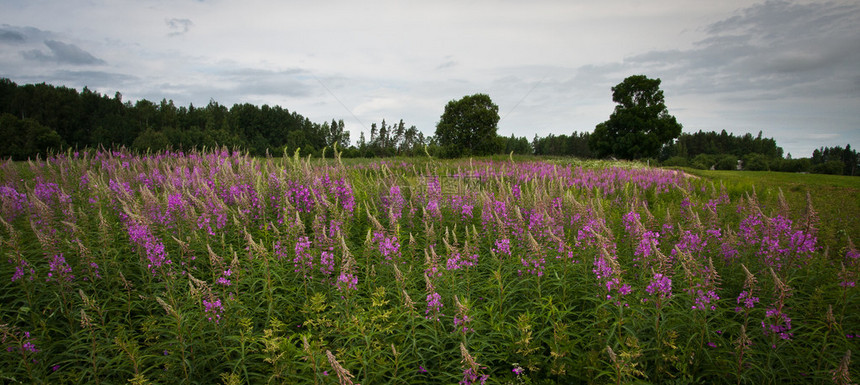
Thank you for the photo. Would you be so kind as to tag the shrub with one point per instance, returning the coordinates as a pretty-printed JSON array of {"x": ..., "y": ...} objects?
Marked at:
[
  {"x": 756, "y": 162},
  {"x": 676, "y": 161}
]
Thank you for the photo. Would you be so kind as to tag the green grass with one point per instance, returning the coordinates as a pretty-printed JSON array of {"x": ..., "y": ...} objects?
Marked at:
[{"x": 835, "y": 197}]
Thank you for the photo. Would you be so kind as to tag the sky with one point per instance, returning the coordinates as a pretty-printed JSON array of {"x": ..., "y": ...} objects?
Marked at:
[{"x": 790, "y": 69}]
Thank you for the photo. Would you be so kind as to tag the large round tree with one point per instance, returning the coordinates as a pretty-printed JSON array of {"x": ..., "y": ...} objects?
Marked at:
[
  {"x": 640, "y": 124},
  {"x": 468, "y": 127}
]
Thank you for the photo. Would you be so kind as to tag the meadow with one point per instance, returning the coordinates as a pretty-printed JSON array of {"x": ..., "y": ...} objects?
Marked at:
[{"x": 218, "y": 267}]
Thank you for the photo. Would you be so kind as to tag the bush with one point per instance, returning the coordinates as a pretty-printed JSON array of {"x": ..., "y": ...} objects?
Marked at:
[
  {"x": 726, "y": 162},
  {"x": 792, "y": 165},
  {"x": 756, "y": 162},
  {"x": 832, "y": 167},
  {"x": 676, "y": 161},
  {"x": 703, "y": 161},
  {"x": 151, "y": 140}
]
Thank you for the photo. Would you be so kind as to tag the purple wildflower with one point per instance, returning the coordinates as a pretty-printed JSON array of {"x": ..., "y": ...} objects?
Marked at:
[
  {"x": 213, "y": 309},
  {"x": 660, "y": 286},
  {"x": 59, "y": 270}
]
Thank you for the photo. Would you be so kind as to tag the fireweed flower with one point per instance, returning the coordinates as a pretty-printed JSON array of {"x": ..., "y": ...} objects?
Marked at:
[
  {"x": 778, "y": 323},
  {"x": 632, "y": 224},
  {"x": 343, "y": 191},
  {"x": 301, "y": 197},
  {"x": 434, "y": 301},
  {"x": 459, "y": 261},
  {"x": 462, "y": 319},
  {"x": 394, "y": 202},
  {"x": 152, "y": 247},
  {"x": 59, "y": 270},
  {"x": 647, "y": 244},
  {"x": 471, "y": 369},
  {"x": 26, "y": 344},
  {"x": 607, "y": 272},
  {"x": 705, "y": 299},
  {"x": 503, "y": 246},
  {"x": 434, "y": 306},
  {"x": 303, "y": 262},
  {"x": 690, "y": 242},
  {"x": 747, "y": 299},
  {"x": 224, "y": 278},
  {"x": 389, "y": 247},
  {"x": 213, "y": 309},
  {"x": 463, "y": 206},
  {"x": 346, "y": 281},
  {"x": 21, "y": 268},
  {"x": 660, "y": 286},
  {"x": 13, "y": 203},
  {"x": 327, "y": 263}
]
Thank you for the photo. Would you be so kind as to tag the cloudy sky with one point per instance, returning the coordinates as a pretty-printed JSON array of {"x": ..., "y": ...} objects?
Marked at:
[{"x": 790, "y": 69}]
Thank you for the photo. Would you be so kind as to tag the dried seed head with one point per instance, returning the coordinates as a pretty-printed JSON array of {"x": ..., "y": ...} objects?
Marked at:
[
  {"x": 167, "y": 308},
  {"x": 743, "y": 340},
  {"x": 428, "y": 285},
  {"x": 468, "y": 359},
  {"x": 407, "y": 301},
  {"x": 749, "y": 281},
  {"x": 612, "y": 355},
  {"x": 842, "y": 375},
  {"x": 85, "y": 320},
  {"x": 343, "y": 376},
  {"x": 306, "y": 346},
  {"x": 216, "y": 261},
  {"x": 398, "y": 276},
  {"x": 781, "y": 289}
]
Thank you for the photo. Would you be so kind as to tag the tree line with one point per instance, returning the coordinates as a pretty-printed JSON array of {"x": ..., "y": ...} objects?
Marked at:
[
  {"x": 36, "y": 119},
  {"x": 41, "y": 117}
]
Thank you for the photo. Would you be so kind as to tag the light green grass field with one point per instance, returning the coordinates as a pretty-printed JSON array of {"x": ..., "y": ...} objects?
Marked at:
[{"x": 835, "y": 197}]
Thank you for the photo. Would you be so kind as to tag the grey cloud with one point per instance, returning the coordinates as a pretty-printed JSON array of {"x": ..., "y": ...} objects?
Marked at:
[
  {"x": 291, "y": 82},
  {"x": 100, "y": 79},
  {"x": 768, "y": 49},
  {"x": 243, "y": 85},
  {"x": 11, "y": 36},
  {"x": 178, "y": 26},
  {"x": 63, "y": 53},
  {"x": 16, "y": 34},
  {"x": 447, "y": 64}
]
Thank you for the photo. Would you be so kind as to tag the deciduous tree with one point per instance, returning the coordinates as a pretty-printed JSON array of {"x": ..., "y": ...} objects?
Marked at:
[
  {"x": 640, "y": 124},
  {"x": 468, "y": 127}
]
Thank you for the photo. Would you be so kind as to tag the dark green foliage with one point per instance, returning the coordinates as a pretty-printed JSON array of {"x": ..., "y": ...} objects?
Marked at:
[
  {"x": 520, "y": 146},
  {"x": 832, "y": 167},
  {"x": 468, "y": 127},
  {"x": 151, "y": 140},
  {"x": 726, "y": 162},
  {"x": 676, "y": 161},
  {"x": 716, "y": 162},
  {"x": 574, "y": 145},
  {"x": 792, "y": 165},
  {"x": 24, "y": 138},
  {"x": 703, "y": 161},
  {"x": 89, "y": 119},
  {"x": 640, "y": 124},
  {"x": 822, "y": 158},
  {"x": 392, "y": 140},
  {"x": 756, "y": 162},
  {"x": 691, "y": 145}
]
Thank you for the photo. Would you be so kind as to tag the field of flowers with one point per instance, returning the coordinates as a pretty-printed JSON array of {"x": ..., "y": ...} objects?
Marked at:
[{"x": 216, "y": 267}]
